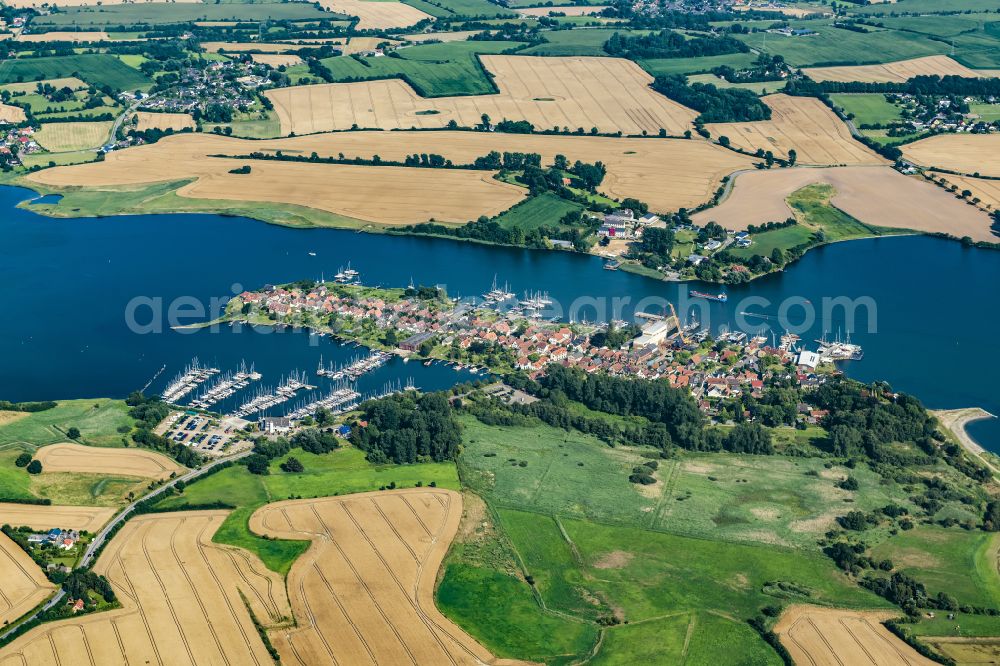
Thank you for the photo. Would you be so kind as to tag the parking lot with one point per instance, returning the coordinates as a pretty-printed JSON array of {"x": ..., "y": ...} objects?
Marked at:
[{"x": 207, "y": 435}]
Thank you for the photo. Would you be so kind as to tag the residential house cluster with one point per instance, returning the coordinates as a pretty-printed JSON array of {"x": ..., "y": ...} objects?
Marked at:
[
  {"x": 713, "y": 371},
  {"x": 64, "y": 539}
]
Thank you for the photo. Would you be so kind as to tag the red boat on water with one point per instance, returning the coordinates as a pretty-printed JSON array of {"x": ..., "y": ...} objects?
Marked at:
[{"x": 722, "y": 297}]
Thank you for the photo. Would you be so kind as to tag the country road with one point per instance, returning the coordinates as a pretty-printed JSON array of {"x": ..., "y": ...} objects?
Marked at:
[{"x": 119, "y": 518}]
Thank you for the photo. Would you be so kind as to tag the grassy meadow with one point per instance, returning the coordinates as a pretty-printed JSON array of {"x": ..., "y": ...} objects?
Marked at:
[
  {"x": 868, "y": 108},
  {"x": 97, "y": 420},
  {"x": 543, "y": 210}
]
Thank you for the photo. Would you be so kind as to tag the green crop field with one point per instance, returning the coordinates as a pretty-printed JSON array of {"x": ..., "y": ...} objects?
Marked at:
[
  {"x": 662, "y": 66},
  {"x": 92, "y": 17},
  {"x": 97, "y": 420},
  {"x": 835, "y": 45},
  {"x": 868, "y": 108},
  {"x": 543, "y": 210},
  {"x": 589, "y": 42},
  {"x": 340, "y": 472},
  {"x": 941, "y": 26},
  {"x": 813, "y": 205},
  {"x": 446, "y": 9},
  {"x": 96, "y": 68},
  {"x": 960, "y": 563},
  {"x": 435, "y": 70}
]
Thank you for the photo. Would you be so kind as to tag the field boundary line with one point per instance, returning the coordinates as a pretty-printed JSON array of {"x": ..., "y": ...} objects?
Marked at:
[
  {"x": 662, "y": 509},
  {"x": 569, "y": 541},
  {"x": 692, "y": 623}
]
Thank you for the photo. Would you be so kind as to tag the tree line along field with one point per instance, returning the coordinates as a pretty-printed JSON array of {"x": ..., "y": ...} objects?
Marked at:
[{"x": 98, "y": 69}]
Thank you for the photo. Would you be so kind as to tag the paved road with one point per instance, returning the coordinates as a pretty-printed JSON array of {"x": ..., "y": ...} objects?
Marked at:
[{"x": 122, "y": 516}]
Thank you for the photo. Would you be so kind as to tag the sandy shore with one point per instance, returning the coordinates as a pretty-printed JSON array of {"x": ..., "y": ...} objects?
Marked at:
[{"x": 955, "y": 420}]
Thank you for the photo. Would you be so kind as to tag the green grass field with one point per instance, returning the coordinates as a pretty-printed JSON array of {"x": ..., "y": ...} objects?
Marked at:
[
  {"x": 543, "y": 210},
  {"x": 988, "y": 112},
  {"x": 338, "y": 473},
  {"x": 96, "y": 68},
  {"x": 435, "y": 70},
  {"x": 765, "y": 243},
  {"x": 962, "y": 564},
  {"x": 446, "y": 9},
  {"x": 97, "y": 420},
  {"x": 926, "y": 7},
  {"x": 868, "y": 108},
  {"x": 620, "y": 566},
  {"x": 831, "y": 45},
  {"x": 760, "y": 88},
  {"x": 92, "y": 17},
  {"x": 785, "y": 501}
]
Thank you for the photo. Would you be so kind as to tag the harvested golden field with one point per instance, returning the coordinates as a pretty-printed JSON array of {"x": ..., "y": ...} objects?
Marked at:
[
  {"x": 610, "y": 94},
  {"x": 181, "y": 602},
  {"x": 965, "y": 153},
  {"x": 817, "y": 635},
  {"x": 46, "y": 517},
  {"x": 163, "y": 121},
  {"x": 65, "y": 137},
  {"x": 803, "y": 123},
  {"x": 364, "y": 592},
  {"x": 571, "y": 10},
  {"x": 93, "y": 460},
  {"x": 65, "y": 37},
  {"x": 796, "y": 12},
  {"x": 377, "y": 14},
  {"x": 666, "y": 173},
  {"x": 879, "y": 196},
  {"x": 22, "y": 583},
  {"x": 987, "y": 191},
  {"x": 12, "y": 114},
  {"x": 380, "y": 195},
  {"x": 276, "y": 59},
  {"x": 898, "y": 72}
]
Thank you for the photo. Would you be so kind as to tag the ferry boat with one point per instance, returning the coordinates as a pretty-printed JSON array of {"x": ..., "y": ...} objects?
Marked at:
[{"x": 721, "y": 297}]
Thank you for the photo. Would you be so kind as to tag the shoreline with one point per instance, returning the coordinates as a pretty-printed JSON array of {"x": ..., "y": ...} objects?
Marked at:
[{"x": 956, "y": 420}]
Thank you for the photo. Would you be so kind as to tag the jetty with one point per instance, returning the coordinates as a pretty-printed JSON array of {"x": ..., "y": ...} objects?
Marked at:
[
  {"x": 355, "y": 368},
  {"x": 339, "y": 400},
  {"x": 264, "y": 400},
  {"x": 187, "y": 381},
  {"x": 227, "y": 385}
]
